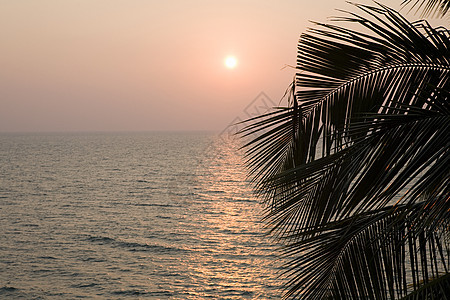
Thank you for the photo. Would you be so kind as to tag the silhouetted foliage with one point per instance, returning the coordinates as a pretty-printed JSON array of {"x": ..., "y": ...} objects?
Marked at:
[
  {"x": 355, "y": 170},
  {"x": 429, "y": 7}
]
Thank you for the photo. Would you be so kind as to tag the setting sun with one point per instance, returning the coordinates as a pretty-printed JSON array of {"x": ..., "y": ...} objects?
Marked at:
[{"x": 230, "y": 62}]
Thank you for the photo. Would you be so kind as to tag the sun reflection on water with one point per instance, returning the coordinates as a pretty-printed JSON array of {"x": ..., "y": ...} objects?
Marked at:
[{"x": 231, "y": 254}]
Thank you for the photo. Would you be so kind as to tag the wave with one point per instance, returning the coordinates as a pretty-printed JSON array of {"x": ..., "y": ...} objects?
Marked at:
[
  {"x": 153, "y": 204},
  {"x": 130, "y": 292},
  {"x": 134, "y": 246},
  {"x": 84, "y": 285},
  {"x": 8, "y": 289},
  {"x": 47, "y": 257},
  {"x": 100, "y": 239},
  {"x": 142, "y": 180}
]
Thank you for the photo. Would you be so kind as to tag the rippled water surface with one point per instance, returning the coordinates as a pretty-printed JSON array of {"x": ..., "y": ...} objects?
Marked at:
[{"x": 114, "y": 216}]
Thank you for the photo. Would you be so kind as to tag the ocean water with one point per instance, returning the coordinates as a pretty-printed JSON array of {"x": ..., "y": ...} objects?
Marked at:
[{"x": 136, "y": 215}]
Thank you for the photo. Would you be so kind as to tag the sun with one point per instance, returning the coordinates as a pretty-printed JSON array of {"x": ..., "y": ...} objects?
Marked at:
[{"x": 230, "y": 62}]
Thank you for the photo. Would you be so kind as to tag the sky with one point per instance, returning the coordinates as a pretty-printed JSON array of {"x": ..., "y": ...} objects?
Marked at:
[{"x": 143, "y": 65}]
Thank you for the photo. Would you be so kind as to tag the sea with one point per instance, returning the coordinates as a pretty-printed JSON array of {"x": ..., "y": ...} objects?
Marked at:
[{"x": 155, "y": 215}]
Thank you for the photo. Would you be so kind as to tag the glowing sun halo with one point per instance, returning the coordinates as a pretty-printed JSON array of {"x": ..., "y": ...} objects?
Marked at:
[{"x": 230, "y": 62}]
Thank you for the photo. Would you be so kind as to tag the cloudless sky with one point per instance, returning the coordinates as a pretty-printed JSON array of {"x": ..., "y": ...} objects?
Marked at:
[{"x": 138, "y": 65}]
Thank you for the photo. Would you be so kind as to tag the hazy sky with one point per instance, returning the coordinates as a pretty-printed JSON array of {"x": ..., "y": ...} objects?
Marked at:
[{"x": 109, "y": 65}]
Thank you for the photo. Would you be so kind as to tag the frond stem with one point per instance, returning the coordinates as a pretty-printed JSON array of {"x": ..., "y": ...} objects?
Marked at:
[{"x": 444, "y": 68}]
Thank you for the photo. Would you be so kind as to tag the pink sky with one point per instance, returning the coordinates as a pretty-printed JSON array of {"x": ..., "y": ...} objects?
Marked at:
[{"x": 138, "y": 65}]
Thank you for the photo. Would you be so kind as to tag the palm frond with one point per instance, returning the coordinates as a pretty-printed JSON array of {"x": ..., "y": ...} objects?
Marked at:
[
  {"x": 354, "y": 170},
  {"x": 366, "y": 257},
  {"x": 429, "y": 7}
]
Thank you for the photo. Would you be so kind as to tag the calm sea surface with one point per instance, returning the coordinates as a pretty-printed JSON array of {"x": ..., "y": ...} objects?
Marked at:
[{"x": 116, "y": 216}]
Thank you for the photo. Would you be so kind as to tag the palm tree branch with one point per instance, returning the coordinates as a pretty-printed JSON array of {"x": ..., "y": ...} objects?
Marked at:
[
  {"x": 309, "y": 81},
  {"x": 345, "y": 240},
  {"x": 403, "y": 167}
]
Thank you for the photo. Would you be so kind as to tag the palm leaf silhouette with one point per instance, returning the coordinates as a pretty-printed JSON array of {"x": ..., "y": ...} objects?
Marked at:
[
  {"x": 354, "y": 171},
  {"x": 429, "y": 7}
]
